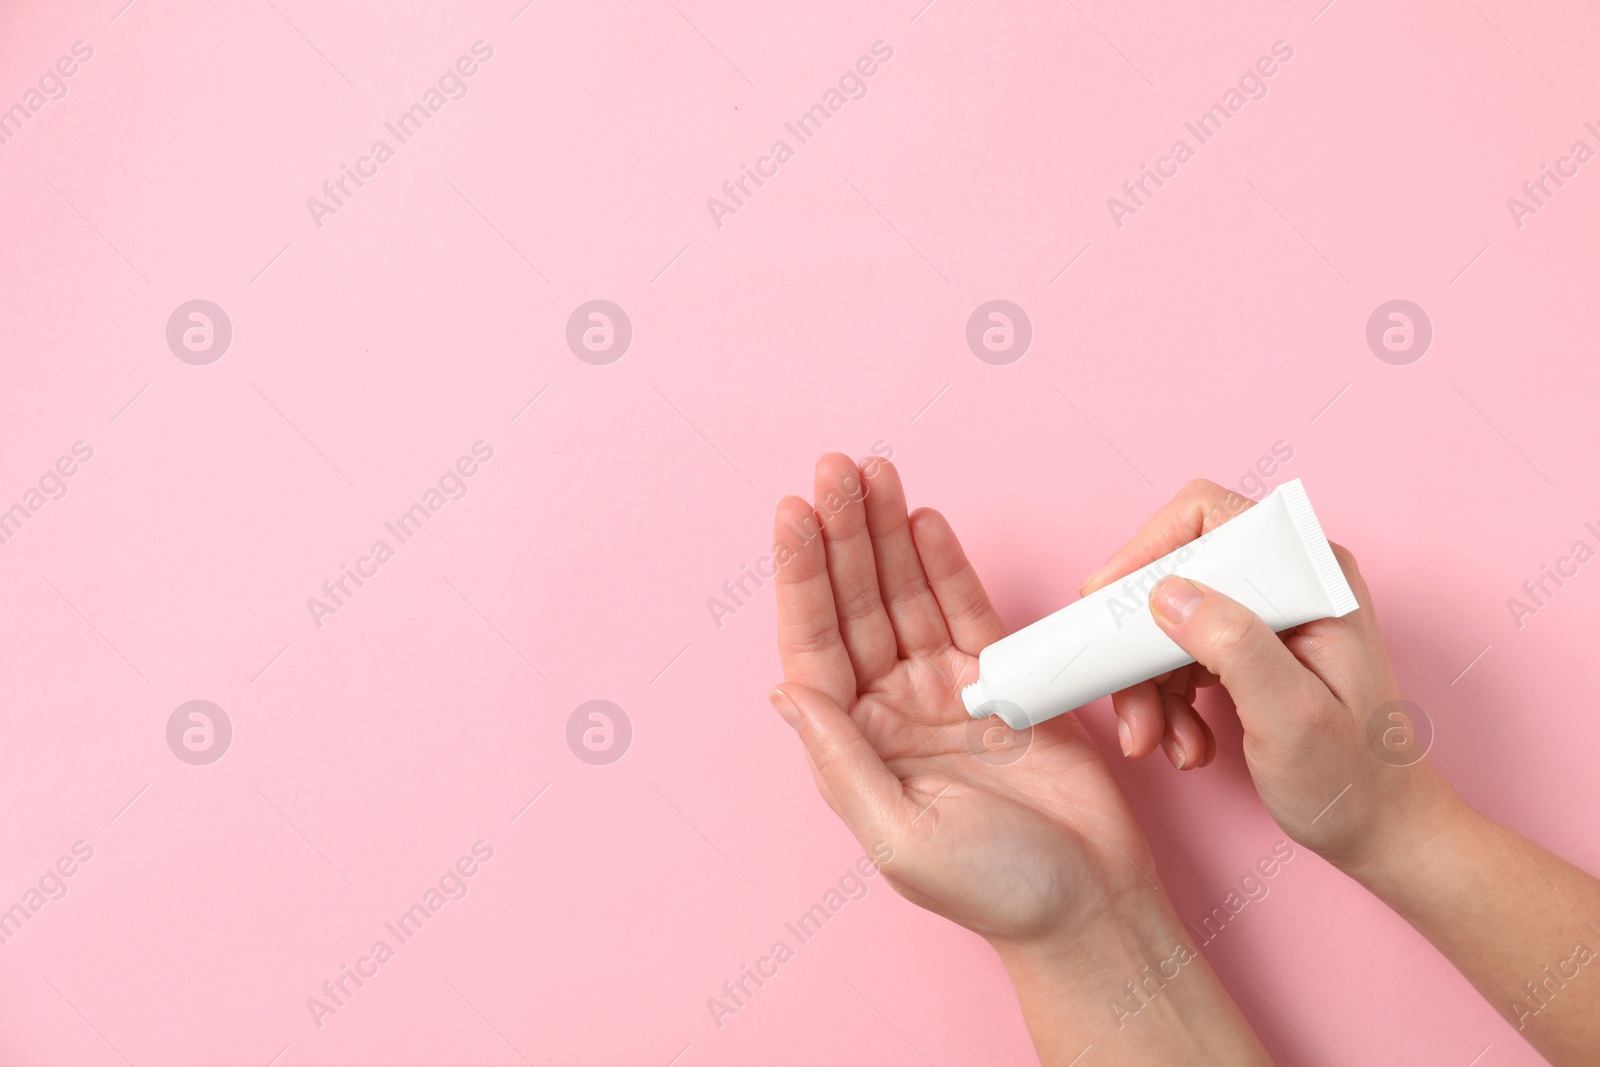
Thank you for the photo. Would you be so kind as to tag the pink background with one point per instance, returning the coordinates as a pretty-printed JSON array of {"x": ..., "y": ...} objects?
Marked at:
[{"x": 828, "y": 313}]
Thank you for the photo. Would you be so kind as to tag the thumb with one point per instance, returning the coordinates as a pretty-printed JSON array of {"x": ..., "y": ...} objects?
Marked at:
[
  {"x": 850, "y": 774},
  {"x": 1231, "y": 641}
]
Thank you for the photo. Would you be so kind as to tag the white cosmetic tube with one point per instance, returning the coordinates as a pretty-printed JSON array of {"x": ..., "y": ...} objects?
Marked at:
[{"x": 1272, "y": 558}]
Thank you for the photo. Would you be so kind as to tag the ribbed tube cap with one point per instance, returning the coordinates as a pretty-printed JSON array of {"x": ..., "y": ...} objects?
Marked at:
[{"x": 975, "y": 697}]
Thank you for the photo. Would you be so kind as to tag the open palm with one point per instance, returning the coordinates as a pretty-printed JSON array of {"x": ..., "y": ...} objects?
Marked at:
[{"x": 880, "y": 621}]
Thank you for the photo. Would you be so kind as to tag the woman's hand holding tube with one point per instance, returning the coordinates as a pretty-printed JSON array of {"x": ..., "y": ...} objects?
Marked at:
[
  {"x": 1322, "y": 718},
  {"x": 1304, "y": 698}
]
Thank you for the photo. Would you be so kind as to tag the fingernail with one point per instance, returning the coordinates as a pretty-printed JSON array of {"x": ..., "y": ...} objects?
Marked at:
[
  {"x": 1175, "y": 598},
  {"x": 1088, "y": 583},
  {"x": 786, "y": 707},
  {"x": 1125, "y": 736},
  {"x": 1174, "y": 751}
]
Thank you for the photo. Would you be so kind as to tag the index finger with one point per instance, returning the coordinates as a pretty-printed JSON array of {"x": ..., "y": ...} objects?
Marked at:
[{"x": 1200, "y": 507}]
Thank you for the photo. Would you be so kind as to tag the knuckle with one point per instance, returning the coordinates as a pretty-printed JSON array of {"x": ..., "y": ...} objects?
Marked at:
[
  {"x": 816, "y": 634},
  {"x": 907, "y": 586},
  {"x": 1234, "y": 635},
  {"x": 858, "y": 607}
]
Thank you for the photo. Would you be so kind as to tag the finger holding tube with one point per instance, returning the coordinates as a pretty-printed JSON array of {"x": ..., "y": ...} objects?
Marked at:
[{"x": 1272, "y": 690}]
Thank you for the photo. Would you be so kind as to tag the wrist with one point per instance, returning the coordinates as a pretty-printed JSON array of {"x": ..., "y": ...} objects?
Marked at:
[
  {"x": 1095, "y": 946},
  {"x": 1130, "y": 982},
  {"x": 1411, "y": 827}
]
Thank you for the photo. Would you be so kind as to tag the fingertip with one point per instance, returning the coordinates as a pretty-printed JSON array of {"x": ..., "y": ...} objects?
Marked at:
[
  {"x": 927, "y": 521},
  {"x": 1096, "y": 579},
  {"x": 811, "y": 719},
  {"x": 929, "y": 530},
  {"x": 792, "y": 510},
  {"x": 791, "y": 506},
  {"x": 834, "y": 459},
  {"x": 786, "y": 708},
  {"x": 933, "y": 535},
  {"x": 1173, "y": 600},
  {"x": 834, "y": 469},
  {"x": 1188, "y": 741},
  {"x": 881, "y": 470},
  {"x": 1139, "y": 709}
]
